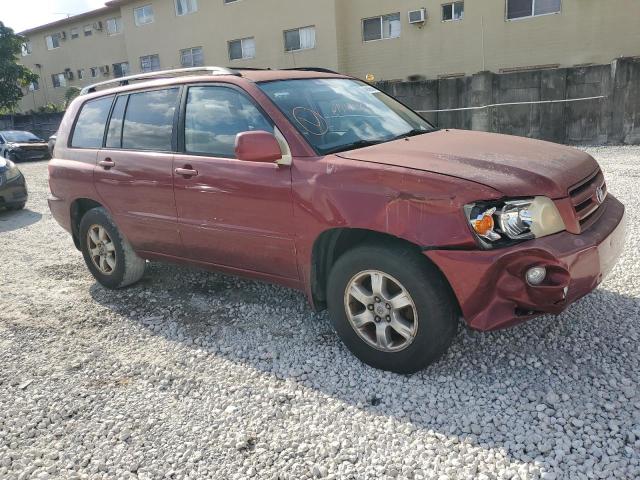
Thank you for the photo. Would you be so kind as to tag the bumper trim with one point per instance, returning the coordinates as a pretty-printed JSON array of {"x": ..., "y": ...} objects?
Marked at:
[{"x": 490, "y": 284}]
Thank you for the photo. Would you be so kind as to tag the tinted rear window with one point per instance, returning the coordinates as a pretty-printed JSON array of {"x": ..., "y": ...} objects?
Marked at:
[
  {"x": 89, "y": 129},
  {"x": 148, "y": 123},
  {"x": 114, "y": 133}
]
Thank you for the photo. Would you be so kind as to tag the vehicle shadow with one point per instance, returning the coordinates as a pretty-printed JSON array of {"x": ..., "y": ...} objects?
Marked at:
[
  {"x": 16, "y": 219},
  {"x": 532, "y": 377}
]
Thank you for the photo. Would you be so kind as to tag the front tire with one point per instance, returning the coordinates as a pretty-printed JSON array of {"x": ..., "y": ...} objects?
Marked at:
[
  {"x": 108, "y": 255},
  {"x": 391, "y": 307}
]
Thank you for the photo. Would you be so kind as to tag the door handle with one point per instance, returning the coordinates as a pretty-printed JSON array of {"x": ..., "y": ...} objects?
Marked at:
[
  {"x": 186, "y": 172},
  {"x": 107, "y": 163}
]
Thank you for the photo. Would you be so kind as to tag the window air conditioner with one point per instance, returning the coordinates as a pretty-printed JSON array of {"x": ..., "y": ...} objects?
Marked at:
[{"x": 418, "y": 16}]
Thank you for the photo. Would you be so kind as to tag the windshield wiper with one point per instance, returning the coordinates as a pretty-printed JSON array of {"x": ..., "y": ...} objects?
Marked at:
[
  {"x": 353, "y": 146},
  {"x": 411, "y": 133}
]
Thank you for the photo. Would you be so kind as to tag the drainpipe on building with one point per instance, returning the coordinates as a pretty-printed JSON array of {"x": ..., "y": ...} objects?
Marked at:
[{"x": 44, "y": 83}]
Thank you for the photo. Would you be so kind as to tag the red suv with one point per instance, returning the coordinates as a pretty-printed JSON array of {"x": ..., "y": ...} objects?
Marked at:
[{"x": 323, "y": 183}]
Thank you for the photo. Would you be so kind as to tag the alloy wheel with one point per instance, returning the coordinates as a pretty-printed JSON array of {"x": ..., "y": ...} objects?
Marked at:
[
  {"x": 102, "y": 250},
  {"x": 381, "y": 311}
]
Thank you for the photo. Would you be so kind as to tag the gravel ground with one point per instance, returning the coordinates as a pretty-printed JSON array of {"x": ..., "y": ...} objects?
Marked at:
[{"x": 192, "y": 374}]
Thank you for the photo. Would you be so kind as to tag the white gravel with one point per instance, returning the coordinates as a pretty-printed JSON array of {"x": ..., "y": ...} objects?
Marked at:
[{"x": 192, "y": 374}]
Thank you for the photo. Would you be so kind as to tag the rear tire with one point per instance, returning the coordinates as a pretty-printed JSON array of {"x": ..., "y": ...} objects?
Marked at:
[
  {"x": 386, "y": 276},
  {"x": 18, "y": 206},
  {"x": 108, "y": 255}
]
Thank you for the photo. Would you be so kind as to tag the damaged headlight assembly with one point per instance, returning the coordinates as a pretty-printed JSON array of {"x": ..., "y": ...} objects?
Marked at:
[{"x": 505, "y": 222}]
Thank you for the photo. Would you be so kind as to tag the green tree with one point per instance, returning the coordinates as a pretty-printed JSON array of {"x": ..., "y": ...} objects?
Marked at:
[{"x": 13, "y": 76}]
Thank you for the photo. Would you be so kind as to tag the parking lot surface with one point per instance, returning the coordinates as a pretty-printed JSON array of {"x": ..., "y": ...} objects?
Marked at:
[{"x": 192, "y": 374}]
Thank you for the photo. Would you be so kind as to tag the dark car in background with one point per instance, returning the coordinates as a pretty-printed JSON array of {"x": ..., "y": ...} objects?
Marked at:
[
  {"x": 18, "y": 145},
  {"x": 13, "y": 187}
]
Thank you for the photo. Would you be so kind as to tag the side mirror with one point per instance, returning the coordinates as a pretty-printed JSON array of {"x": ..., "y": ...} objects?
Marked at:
[{"x": 257, "y": 146}]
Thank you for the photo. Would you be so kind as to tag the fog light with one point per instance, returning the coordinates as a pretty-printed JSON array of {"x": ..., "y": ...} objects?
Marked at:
[{"x": 536, "y": 275}]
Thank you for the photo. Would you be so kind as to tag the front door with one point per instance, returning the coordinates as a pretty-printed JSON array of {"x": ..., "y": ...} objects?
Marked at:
[
  {"x": 134, "y": 172},
  {"x": 231, "y": 213}
]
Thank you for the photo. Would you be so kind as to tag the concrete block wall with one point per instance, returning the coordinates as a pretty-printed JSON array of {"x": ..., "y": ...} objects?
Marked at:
[{"x": 613, "y": 119}]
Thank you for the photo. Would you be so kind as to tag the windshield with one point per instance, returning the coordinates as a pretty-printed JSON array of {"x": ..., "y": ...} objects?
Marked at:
[
  {"x": 336, "y": 114},
  {"x": 20, "y": 137}
]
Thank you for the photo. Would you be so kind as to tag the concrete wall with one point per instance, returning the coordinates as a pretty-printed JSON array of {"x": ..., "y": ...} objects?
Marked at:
[
  {"x": 41, "y": 124},
  {"x": 612, "y": 119}
]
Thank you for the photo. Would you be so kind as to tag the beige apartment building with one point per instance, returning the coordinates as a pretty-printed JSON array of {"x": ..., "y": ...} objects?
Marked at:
[{"x": 389, "y": 39}]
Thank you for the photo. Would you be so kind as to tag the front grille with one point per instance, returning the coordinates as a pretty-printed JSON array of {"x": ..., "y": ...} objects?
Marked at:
[
  {"x": 585, "y": 199},
  {"x": 30, "y": 148}
]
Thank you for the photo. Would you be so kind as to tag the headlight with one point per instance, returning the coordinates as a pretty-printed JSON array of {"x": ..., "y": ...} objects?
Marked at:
[
  {"x": 508, "y": 221},
  {"x": 12, "y": 171}
]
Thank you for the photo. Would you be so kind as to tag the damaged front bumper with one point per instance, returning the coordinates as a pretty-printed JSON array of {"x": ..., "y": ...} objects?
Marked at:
[{"x": 490, "y": 285}]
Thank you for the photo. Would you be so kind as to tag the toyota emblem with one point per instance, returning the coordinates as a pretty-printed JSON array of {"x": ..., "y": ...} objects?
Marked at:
[{"x": 600, "y": 195}]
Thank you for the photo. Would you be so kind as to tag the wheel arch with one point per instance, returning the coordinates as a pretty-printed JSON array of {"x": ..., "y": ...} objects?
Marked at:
[
  {"x": 333, "y": 243},
  {"x": 79, "y": 207}
]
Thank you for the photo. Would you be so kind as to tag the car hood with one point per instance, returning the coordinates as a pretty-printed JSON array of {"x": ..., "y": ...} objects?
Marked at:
[{"x": 515, "y": 166}]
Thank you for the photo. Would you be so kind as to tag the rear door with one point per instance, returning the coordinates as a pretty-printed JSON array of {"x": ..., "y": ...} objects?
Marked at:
[
  {"x": 134, "y": 172},
  {"x": 231, "y": 213}
]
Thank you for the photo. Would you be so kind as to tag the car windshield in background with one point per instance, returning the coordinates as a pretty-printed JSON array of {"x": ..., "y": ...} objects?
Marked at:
[
  {"x": 19, "y": 137},
  {"x": 336, "y": 115}
]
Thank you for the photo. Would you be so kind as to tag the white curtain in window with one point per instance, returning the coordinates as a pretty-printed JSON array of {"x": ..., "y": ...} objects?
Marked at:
[
  {"x": 391, "y": 26},
  {"x": 307, "y": 37},
  {"x": 248, "y": 48}
]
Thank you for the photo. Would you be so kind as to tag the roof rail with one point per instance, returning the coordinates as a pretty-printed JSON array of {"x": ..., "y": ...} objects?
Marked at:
[
  {"x": 313, "y": 69},
  {"x": 159, "y": 74}
]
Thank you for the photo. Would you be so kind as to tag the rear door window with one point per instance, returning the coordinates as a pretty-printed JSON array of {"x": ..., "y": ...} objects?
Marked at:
[
  {"x": 213, "y": 118},
  {"x": 89, "y": 129},
  {"x": 148, "y": 122},
  {"x": 114, "y": 133}
]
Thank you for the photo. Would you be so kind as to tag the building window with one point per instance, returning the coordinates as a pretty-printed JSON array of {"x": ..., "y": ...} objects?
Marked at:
[
  {"x": 184, "y": 7},
  {"x": 33, "y": 86},
  {"x": 150, "y": 63},
  {"x": 75, "y": 33},
  {"x": 229, "y": 1},
  {"x": 191, "y": 57},
  {"x": 26, "y": 48},
  {"x": 88, "y": 30},
  {"x": 121, "y": 69},
  {"x": 378, "y": 28},
  {"x": 143, "y": 15},
  {"x": 300, "y": 39},
  {"x": 58, "y": 80},
  {"x": 114, "y": 26},
  {"x": 452, "y": 11},
  {"x": 53, "y": 41},
  {"x": 531, "y": 8},
  {"x": 243, "y": 48},
  {"x": 81, "y": 74},
  {"x": 94, "y": 72}
]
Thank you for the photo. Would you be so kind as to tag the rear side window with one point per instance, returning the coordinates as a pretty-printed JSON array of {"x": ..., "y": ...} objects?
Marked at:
[
  {"x": 213, "y": 118},
  {"x": 114, "y": 133},
  {"x": 89, "y": 129},
  {"x": 148, "y": 122}
]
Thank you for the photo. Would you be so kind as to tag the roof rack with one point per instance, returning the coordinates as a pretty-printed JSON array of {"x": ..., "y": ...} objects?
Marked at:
[
  {"x": 160, "y": 74},
  {"x": 313, "y": 69}
]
